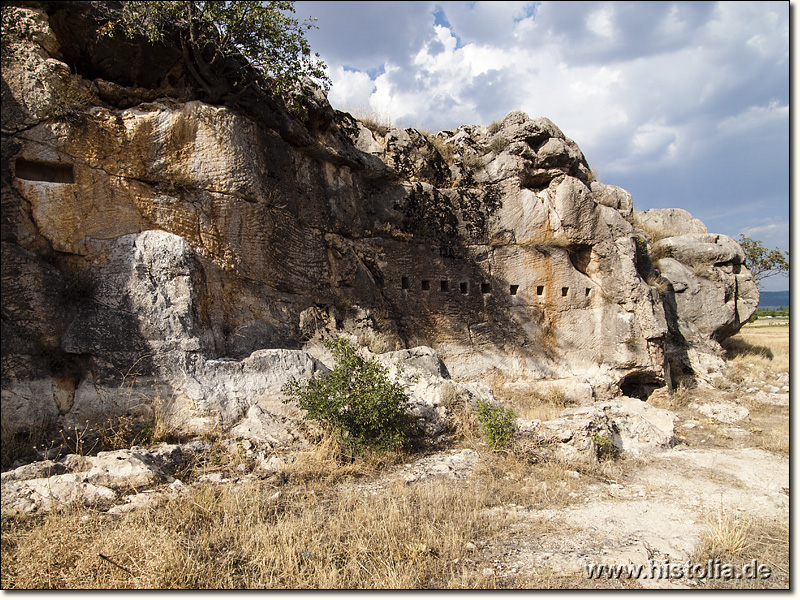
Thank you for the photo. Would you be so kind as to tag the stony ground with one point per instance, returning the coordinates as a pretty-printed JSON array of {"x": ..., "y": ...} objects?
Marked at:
[{"x": 721, "y": 491}]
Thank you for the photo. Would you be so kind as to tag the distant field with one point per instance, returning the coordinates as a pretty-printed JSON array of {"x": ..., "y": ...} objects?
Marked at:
[
  {"x": 765, "y": 344},
  {"x": 764, "y": 322}
]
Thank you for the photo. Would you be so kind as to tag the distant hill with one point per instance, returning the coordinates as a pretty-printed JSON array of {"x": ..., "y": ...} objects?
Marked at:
[{"x": 774, "y": 299}]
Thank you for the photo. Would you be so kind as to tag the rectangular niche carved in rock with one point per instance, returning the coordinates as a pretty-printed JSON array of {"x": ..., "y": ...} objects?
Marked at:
[
  {"x": 513, "y": 289},
  {"x": 464, "y": 287},
  {"x": 33, "y": 170},
  {"x": 404, "y": 283},
  {"x": 426, "y": 285},
  {"x": 444, "y": 285},
  {"x": 588, "y": 291},
  {"x": 564, "y": 291},
  {"x": 540, "y": 290},
  {"x": 486, "y": 288}
]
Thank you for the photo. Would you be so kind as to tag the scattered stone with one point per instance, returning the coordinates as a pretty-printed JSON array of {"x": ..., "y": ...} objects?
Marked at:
[
  {"x": 43, "y": 495},
  {"x": 724, "y": 412},
  {"x": 123, "y": 469},
  {"x": 215, "y": 478}
]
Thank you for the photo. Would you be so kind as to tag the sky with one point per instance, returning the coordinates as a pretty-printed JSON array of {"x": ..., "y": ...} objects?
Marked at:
[{"x": 683, "y": 104}]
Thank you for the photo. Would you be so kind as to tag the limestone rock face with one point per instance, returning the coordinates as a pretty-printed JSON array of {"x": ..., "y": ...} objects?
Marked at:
[
  {"x": 672, "y": 221},
  {"x": 164, "y": 253},
  {"x": 711, "y": 294}
]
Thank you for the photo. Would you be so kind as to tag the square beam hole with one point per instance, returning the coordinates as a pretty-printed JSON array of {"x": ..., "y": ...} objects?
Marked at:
[
  {"x": 486, "y": 288},
  {"x": 404, "y": 283},
  {"x": 34, "y": 170},
  {"x": 513, "y": 289},
  {"x": 564, "y": 291},
  {"x": 444, "y": 285},
  {"x": 464, "y": 287},
  {"x": 426, "y": 285},
  {"x": 540, "y": 290}
]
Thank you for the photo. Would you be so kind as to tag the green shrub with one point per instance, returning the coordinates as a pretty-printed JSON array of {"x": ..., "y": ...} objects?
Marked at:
[
  {"x": 356, "y": 400},
  {"x": 604, "y": 446},
  {"x": 497, "y": 423}
]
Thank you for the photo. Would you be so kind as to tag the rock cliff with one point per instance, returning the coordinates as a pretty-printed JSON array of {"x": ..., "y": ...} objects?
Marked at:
[{"x": 154, "y": 245}]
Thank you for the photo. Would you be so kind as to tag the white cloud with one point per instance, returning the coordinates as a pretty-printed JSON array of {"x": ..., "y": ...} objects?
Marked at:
[
  {"x": 768, "y": 231},
  {"x": 600, "y": 22},
  {"x": 754, "y": 118},
  {"x": 350, "y": 88}
]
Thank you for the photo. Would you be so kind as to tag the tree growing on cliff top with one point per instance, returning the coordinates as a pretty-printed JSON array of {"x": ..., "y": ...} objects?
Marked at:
[
  {"x": 219, "y": 38},
  {"x": 763, "y": 263}
]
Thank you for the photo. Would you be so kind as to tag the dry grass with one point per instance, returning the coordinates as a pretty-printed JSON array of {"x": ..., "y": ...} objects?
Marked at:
[
  {"x": 498, "y": 143},
  {"x": 659, "y": 283},
  {"x": 378, "y": 123},
  {"x": 531, "y": 402},
  {"x": 377, "y": 342},
  {"x": 762, "y": 347},
  {"x": 738, "y": 539},
  {"x": 318, "y": 526},
  {"x": 250, "y": 536},
  {"x": 661, "y": 251},
  {"x": 445, "y": 149},
  {"x": 775, "y": 439},
  {"x": 494, "y": 127}
]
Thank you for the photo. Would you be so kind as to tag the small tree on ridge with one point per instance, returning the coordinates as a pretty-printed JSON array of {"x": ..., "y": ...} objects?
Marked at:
[{"x": 762, "y": 263}]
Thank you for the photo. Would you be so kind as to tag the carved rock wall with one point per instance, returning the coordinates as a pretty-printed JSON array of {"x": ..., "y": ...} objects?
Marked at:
[{"x": 163, "y": 246}]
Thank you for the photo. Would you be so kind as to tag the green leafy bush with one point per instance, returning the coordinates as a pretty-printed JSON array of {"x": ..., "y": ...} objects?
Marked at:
[
  {"x": 355, "y": 399},
  {"x": 497, "y": 423},
  {"x": 604, "y": 446}
]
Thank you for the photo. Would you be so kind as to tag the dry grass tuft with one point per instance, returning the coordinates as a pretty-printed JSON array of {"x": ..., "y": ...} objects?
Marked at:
[
  {"x": 444, "y": 148},
  {"x": 775, "y": 439},
  {"x": 377, "y": 123},
  {"x": 494, "y": 127},
  {"x": 531, "y": 401},
  {"x": 661, "y": 251},
  {"x": 727, "y": 536},
  {"x": 498, "y": 143},
  {"x": 739, "y": 540},
  {"x": 377, "y": 342},
  {"x": 659, "y": 283}
]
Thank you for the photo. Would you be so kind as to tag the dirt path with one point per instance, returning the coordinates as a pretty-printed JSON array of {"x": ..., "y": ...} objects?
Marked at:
[{"x": 659, "y": 513}]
